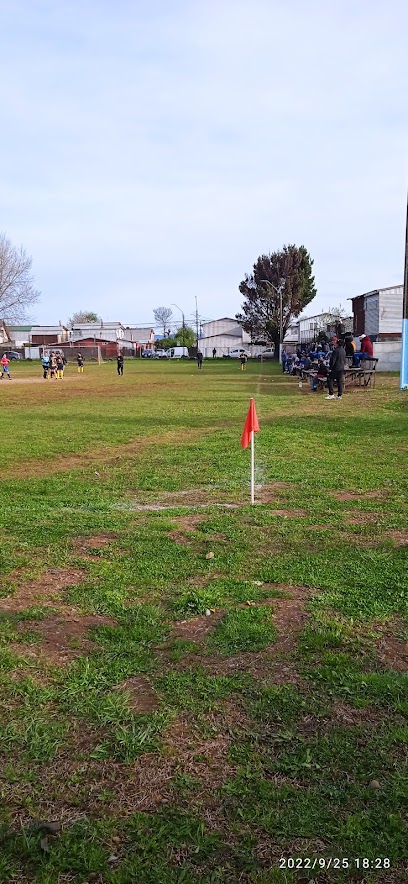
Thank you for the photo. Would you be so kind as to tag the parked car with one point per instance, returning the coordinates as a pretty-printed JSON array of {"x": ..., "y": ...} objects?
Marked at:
[
  {"x": 235, "y": 354},
  {"x": 149, "y": 354},
  {"x": 269, "y": 353},
  {"x": 12, "y": 354},
  {"x": 162, "y": 354}
]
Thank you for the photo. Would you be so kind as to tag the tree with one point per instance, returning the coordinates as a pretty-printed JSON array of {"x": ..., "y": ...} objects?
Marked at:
[
  {"x": 162, "y": 316},
  {"x": 185, "y": 336},
  {"x": 17, "y": 291},
  {"x": 285, "y": 275},
  {"x": 83, "y": 316}
]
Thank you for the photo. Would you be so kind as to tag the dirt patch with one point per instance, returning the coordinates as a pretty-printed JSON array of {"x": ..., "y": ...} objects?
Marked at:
[
  {"x": 269, "y": 493},
  {"x": 206, "y": 759},
  {"x": 196, "y": 629},
  {"x": 400, "y": 537},
  {"x": 362, "y": 518},
  {"x": 141, "y": 696},
  {"x": 359, "y": 495},
  {"x": 289, "y": 514},
  {"x": 188, "y": 523},
  {"x": 393, "y": 652},
  {"x": 272, "y": 664},
  {"x": 342, "y": 713},
  {"x": 179, "y": 537},
  {"x": 64, "y": 638},
  {"x": 89, "y": 543},
  {"x": 45, "y": 591}
]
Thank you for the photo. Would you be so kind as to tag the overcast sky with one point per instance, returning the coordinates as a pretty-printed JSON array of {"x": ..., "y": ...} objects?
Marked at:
[{"x": 151, "y": 150}]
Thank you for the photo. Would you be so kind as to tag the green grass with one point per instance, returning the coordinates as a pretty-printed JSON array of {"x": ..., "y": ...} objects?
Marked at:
[{"x": 204, "y": 750}]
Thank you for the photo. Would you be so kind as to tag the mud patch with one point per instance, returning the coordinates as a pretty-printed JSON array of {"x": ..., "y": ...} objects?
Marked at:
[
  {"x": 289, "y": 514},
  {"x": 45, "y": 591},
  {"x": 64, "y": 638},
  {"x": 141, "y": 695}
]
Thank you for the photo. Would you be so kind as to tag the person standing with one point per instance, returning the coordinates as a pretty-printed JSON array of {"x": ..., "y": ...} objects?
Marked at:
[
  {"x": 336, "y": 370},
  {"x": 243, "y": 360},
  {"x": 214, "y": 352},
  {"x": 60, "y": 366},
  {"x": 80, "y": 363},
  {"x": 53, "y": 366},
  {"x": 45, "y": 362},
  {"x": 120, "y": 364},
  {"x": 4, "y": 362},
  {"x": 200, "y": 358}
]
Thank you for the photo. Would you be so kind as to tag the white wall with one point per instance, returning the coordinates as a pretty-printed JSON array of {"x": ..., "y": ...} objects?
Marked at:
[
  {"x": 389, "y": 355},
  {"x": 390, "y": 310},
  {"x": 371, "y": 314}
]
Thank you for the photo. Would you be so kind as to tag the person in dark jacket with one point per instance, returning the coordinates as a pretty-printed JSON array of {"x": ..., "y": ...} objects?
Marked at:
[
  {"x": 120, "y": 363},
  {"x": 200, "y": 358},
  {"x": 336, "y": 372}
]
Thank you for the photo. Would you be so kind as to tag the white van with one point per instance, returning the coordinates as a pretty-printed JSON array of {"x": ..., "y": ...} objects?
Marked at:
[{"x": 178, "y": 352}]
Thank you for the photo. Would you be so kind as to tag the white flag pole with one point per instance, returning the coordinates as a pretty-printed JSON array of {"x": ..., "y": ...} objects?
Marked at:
[{"x": 252, "y": 468}]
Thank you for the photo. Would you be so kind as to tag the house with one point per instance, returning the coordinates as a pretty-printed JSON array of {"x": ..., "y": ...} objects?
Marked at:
[
  {"x": 224, "y": 335},
  {"x": 20, "y": 334},
  {"x": 379, "y": 314},
  {"x": 144, "y": 337},
  {"x": 108, "y": 331},
  {"x": 4, "y": 334},
  {"x": 330, "y": 323},
  {"x": 46, "y": 335}
]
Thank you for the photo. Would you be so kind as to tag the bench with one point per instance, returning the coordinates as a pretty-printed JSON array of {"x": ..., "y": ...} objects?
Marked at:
[{"x": 362, "y": 375}]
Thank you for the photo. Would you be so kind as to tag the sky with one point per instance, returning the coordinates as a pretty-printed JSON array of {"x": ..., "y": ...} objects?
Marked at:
[{"x": 151, "y": 150}]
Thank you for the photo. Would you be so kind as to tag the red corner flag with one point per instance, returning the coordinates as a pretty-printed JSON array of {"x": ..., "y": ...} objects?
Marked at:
[{"x": 251, "y": 424}]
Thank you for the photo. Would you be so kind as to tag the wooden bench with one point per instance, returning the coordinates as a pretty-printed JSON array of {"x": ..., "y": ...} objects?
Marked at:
[{"x": 362, "y": 375}]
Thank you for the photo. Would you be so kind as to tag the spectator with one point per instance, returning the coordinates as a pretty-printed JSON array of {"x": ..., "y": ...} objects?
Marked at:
[
  {"x": 199, "y": 359},
  {"x": 336, "y": 372},
  {"x": 120, "y": 364},
  {"x": 214, "y": 352}
]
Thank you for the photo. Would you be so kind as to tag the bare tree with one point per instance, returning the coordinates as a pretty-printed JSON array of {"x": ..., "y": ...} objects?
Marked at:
[
  {"x": 17, "y": 291},
  {"x": 162, "y": 316},
  {"x": 83, "y": 316}
]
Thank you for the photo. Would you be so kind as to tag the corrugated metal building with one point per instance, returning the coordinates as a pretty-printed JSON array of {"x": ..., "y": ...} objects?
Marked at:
[
  {"x": 379, "y": 315},
  {"x": 224, "y": 335}
]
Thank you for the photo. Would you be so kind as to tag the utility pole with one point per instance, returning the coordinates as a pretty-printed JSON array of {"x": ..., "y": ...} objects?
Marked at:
[
  {"x": 196, "y": 320},
  {"x": 404, "y": 341}
]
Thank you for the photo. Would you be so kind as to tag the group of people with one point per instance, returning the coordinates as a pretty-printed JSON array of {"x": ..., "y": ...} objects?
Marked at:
[
  {"x": 331, "y": 360},
  {"x": 53, "y": 364}
]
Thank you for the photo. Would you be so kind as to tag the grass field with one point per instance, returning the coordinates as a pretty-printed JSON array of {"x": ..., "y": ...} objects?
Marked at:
[{"x": 194, "y": 689}]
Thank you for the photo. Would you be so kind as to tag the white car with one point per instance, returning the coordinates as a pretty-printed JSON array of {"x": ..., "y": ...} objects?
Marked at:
[
  {"x": 235, "y": 354},
  {"x": 269, "y": 353},
  {"x": 162, "y": 354}
]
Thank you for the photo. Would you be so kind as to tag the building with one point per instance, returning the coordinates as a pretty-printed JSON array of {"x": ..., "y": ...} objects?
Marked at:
[
  {"x": 4, "y": 333},
  {"x": 329, "y": 323},
  {"x": 20, "y": 334},
  {"x": 107, "y": 331},
  {"x": 45, "y": 335},
  {"x": 378, "y": 314},
  {"x": 224, "y": 335},
  {"x": 144, "y": 337}
]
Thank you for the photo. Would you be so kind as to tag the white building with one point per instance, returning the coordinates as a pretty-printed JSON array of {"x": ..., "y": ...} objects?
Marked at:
[
  {"x": 223, "y": 335},
  {"x": 108, "y": 331},
  {"x": 142, "y": 336},
  {"x": 327, "y": 322},
  {"x": 378, "y": 314}
]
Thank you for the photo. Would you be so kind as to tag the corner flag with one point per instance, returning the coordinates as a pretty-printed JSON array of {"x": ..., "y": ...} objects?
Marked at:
[
  {"x": 251, "y": 427},
  {"x": 251, "y": 424}
]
